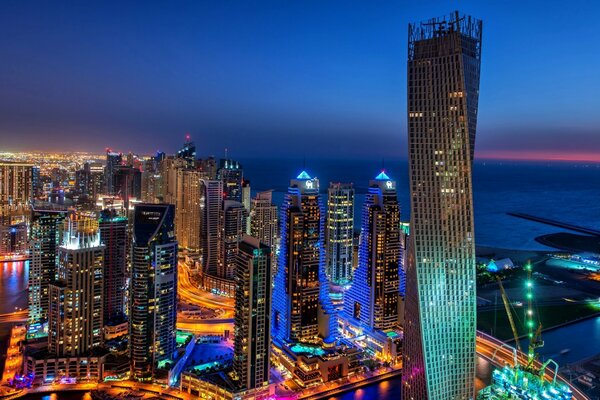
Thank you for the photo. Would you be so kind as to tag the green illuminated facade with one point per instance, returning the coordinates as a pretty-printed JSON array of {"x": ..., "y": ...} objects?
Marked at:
[{"x": 440, "y": 314}]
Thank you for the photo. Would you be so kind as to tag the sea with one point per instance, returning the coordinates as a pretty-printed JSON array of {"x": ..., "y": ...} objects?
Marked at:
[{"x": 564, "y": 191}]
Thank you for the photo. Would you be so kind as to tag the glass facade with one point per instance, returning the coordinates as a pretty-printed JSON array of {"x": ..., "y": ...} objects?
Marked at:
[
  {"x": 340, "y": 232},
  {"x": 440, "y": 319},
  {"x": 301, "y": 295},
  {"x": 373, "y": 297},
  {"x": 153, "y": 311},
  {"x": 252, "y": 343}
]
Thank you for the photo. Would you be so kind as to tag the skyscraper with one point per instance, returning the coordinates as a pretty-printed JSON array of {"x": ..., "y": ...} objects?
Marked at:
[
  {"x": 247, "y": 201},
  {"x": 340, "y": 232},
  {"x": 113, "y": 160},
  {"x": 211, "y": 208},
  {"x": 234, "y": 226},
  {"x": 75, "y": 296},
  {"x": 301, "y": 309},
  {"x": 263, "y": 219},
  {"x": 188, "y": 209},
  {"x": 373, "y": 297},
  {"x": 44, "y": 238},
  {"x": 440, "y": 321},
  {"x": 16, "y": 190},
  {"x": 188, "y": 151},
  {"x": 252, "y": 314},
  {"x": 114, "y": 237},
  {"x": 127, "y": 183},
  {"x": 231, "y": 174},
  {"x": 153, "y": 310}
]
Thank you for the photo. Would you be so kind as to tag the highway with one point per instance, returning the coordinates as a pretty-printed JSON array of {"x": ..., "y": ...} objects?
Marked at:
[
  {"x": 17, "y": 316},
  {"x": 189, "y": 293}
]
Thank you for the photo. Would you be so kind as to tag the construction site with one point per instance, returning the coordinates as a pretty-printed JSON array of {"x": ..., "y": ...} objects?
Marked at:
[{"x": 526, "y": 377}]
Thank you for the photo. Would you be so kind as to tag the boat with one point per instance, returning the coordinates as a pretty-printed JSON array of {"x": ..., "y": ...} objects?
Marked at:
[{"x": 565, "y": 351}]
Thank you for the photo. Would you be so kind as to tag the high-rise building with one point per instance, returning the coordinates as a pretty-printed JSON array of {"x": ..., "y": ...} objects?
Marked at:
[
  {"x": 211, "y": 204},
  {"x": 16, "y": 190},
  {"x": 151, "y": 179},
  {"x": 300, "y": 303},
  {"x": 13, "y": 240},
  {"x": 234, "y": 226},
  {"x": 247, "y": 201},
  {"x": 113, "y": 160},
  {"x": 168, "y": 178},
  {"x": 96, "y": 180},
  {"x": 230, "y": 172},
  {"x": 252, "y": 314},
  {"x": 36, "y": 183},
  {"x": 44, "y": 238},
  {"x": 75, "y": 296},
  {"x": 373, "y": 297},
  {"x": 209, "y": 167},
  {"x": 127, "y": 183},
  {"x": 188, "y": 151},
  {"x": 153, "y": 312},
  {"x": 340, "y": 232},
  {"x": 187, "y": 209},
  {"x": 263, "y": 219},
  {"x": 114, "y": 236},
  {"x": 440, "y": 320},
  {"x": 89, "y": 181}
]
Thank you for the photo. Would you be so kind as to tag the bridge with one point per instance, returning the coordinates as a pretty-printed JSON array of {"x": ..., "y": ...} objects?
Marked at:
[
  {"x": 499, "y": 354},
  {"x": 559, "y": 224}
]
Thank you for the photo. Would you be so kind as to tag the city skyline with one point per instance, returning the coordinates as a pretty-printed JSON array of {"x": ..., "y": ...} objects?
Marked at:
[
  {"x": 176, "y": 72},
  {"x": 288, "y": 203}
]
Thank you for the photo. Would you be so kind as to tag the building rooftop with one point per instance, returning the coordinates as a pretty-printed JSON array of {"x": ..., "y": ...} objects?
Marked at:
[
  {"x": 303, "y": 175},
  {"x": 382, "y": 176}
]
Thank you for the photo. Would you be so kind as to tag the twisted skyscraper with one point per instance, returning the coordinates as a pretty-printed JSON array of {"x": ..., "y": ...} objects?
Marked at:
[{"x": 440, "y": 322}]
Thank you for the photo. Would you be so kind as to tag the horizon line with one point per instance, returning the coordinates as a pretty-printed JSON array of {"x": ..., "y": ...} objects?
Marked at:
[{"x": 501, "y": 155}]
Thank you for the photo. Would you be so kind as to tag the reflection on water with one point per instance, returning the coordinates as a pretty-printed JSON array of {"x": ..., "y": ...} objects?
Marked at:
[
  {"x": 384, "y": 390},
  {"x": 13, "y": 286},
  {"x": 60, "y": 396},
  {"x": 13, "y": 296},
  {"x": 391, "y": 389}
]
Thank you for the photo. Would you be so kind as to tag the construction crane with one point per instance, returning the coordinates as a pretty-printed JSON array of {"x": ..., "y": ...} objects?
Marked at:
[
  {"x": 535, "y": 337},
  {"x": 525, "y": 381},
  {"x": 509, "y": 314}
]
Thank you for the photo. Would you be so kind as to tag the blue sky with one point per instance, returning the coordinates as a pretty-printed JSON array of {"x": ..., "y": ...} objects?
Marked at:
[{"x": 282, "y": 78}]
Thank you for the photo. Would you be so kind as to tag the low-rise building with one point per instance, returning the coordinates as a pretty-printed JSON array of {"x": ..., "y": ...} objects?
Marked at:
[
  {"x": 219, "y": 386},
  {"x": 312, "y": 365},
  {"x": 385, "y": 345},
  {"x": 47, "y": 368}
]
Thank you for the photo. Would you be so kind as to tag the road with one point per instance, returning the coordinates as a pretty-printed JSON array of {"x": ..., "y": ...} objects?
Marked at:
[
  {"x": 189, "y": 293},
  {"x": 14, "y": 357},
  {"x": 17, "y": 316}
]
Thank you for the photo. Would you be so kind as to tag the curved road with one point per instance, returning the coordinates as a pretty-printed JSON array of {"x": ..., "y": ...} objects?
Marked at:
[{"x": 189, "y": 293}]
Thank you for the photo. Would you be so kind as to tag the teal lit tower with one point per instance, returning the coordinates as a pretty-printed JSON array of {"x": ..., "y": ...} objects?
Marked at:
[{"x": 440, "y": 313}]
